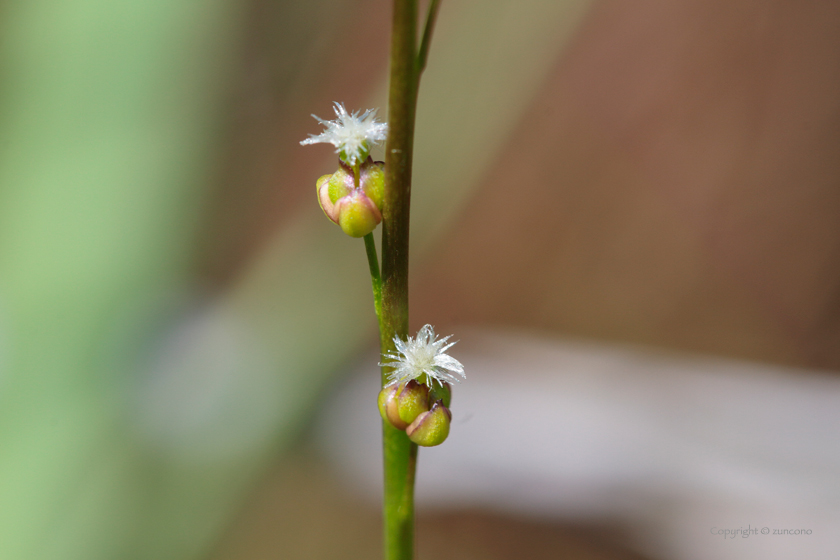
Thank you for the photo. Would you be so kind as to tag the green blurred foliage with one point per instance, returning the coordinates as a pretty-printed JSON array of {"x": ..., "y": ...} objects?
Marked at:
[
  {"x": 133, "y": 418},
  {"x": 107, "y": 119}
]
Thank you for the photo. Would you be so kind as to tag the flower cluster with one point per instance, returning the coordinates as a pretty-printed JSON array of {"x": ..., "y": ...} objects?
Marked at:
[
  {"x": 418, "y": 394},
  {"x": 352, "y": 196}
]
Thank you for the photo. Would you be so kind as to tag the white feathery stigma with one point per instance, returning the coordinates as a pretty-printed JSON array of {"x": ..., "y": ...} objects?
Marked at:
[
  {"x": 424, "y": 354},
  {"x": 351, "y": 133}
]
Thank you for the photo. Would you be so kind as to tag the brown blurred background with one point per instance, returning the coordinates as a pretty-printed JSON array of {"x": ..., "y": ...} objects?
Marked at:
[
  {"x": 176, "y": 314},
  {"x": 672, "y": 180}
]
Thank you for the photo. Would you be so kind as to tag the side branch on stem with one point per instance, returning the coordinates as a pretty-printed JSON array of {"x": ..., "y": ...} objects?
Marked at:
[
  {"x": 423, "y": 54},
  {"x": 375, "y": 278}
]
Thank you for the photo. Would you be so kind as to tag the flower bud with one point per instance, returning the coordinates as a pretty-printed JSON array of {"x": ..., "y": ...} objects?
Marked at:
[
  {"x": 412, "y": 400},
  {"x": 357, "y": 214},
  {"x": 327, "y": 185},
  {"x": 387, "y": 396},
  {"x": 372, "y": 180},
  {"x": 356, "y": 210},
  {"x": 430, "y": 428},
  {"x": 391, "y": 408},
  {"x": 401, "y": 404}
]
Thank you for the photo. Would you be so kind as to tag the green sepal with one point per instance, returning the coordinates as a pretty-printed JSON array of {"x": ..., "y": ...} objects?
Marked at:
[
  {"x": 340, "y": 185},
  {"x": 441, "y": 392},
  {"x": 363, "y": 153},
  {"x": 412, "y": 400},
  {"x": 430, "y": 428},
  {"x": 372, "y": 180},
  {"x": 357, "y": 215}
]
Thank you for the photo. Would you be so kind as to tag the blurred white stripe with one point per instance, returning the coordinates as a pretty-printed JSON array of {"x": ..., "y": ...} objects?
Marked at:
[{"x": 673, "y": 446}]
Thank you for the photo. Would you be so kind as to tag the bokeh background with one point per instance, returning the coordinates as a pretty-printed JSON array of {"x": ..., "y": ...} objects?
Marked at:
[{"x": 628, "y": 212}]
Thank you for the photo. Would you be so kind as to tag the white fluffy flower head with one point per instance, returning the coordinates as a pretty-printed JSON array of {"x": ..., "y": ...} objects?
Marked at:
[
  {"x": 423, "y": 355},
  {"x": 351, "y": 134}
]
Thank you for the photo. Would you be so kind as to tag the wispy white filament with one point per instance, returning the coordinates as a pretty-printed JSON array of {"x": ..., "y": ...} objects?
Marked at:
[
  {"x": 351, "y": 133},
  {"x": 421, "y": 355}
]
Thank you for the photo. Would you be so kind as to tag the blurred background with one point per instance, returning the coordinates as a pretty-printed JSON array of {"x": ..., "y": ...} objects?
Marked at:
[{"x": 628, "y": 213}]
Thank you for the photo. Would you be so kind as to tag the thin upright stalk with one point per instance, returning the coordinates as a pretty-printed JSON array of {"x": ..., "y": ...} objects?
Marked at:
[
  {"x": 399, "y": 453},
  {"x": 398, "y": 159}
]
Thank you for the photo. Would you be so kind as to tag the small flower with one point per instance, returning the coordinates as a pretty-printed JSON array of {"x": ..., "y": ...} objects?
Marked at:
[
  {"x": 351, "y": 134},
  {"x": 422, "y": 356}
]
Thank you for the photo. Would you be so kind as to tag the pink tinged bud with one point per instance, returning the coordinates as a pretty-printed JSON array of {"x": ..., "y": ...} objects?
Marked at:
[
  {"x": 324, "y": 201},
  {"x": 357, "y": 214},
  {"x": 341, "y": 184},
  {"x": 401, "y": 404},
  {"x": 392, "y": 409},
  {"x": 387, "y": 402},
  {"x": 331, "y": 189},
  {"x": 430, "y": 428},
  {"x": 357, "y": 211}
]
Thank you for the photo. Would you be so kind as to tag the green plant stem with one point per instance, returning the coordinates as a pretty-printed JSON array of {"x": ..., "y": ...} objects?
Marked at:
[{"x": 399, "y": 453}]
